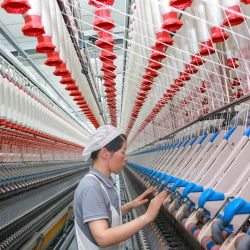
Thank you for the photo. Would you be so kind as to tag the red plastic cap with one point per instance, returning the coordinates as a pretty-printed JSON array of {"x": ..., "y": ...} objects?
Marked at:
[
  {"x": 180, "y": 4},
  {"x": 157, "y": 54},
  {"x": 103, "y": 20},
  {"x": 197, "y": 60},
  {"x": 148, "y": 82},
  {"x": 53, "y": 59},
  {"x": 145, "y": 87},
  {"x": 232, "y": 63},
  {"x": 184, "y": 76},
  {"x": 190, "y": 69},
  {"x": 109, "y": 84},
  {"x": 151, "y": 73},
  {"x": 240, "y": 93},
  {"x": 33, "y": 26},
  {"x": 236, "y": 82},
  {"x": 105, "y": 40},
  {"x": 179, "y": 83},
  {"x": 203, "y": 88},
  {"x": 45, "y": 44},
  {"x": 16, "y": 6},
  {"x": 71, "y": 87},
  {"x": 100, "y": 3},
  {"x": 108, "y": 66},
  {"x": 142, "y": 93},
  {"x": 245, "y": 1},
  {"x": 107, "y": 55},
  {"x": 145, "y": 77},
  {"x": 218, "y": 35},
  {"x": 78, "y": 98},
  {"x": 155, "y": 65},
  {"x": 111, "y": 94},
  {"x": 67, "y": 80},
  {"x": 207, "y": 48},
  {"x": 110, "y": 89},
  {"x": 61, "y": 70},
  {"x": 171, "y": 21},
  {"x": 108, "y": 75},
  {"x": 174, "y": 88},
  {"x": 163, "y": 40},
  {"x": 75, "y": 93},
  {"x": 233, "y": 18}
]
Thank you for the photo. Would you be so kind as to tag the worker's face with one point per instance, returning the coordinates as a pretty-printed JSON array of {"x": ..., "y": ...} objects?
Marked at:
[{"x": 118, "y": 159}]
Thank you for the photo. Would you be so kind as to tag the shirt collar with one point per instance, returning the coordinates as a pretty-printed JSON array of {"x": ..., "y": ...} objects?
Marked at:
[{"x": 108, "y": 181}]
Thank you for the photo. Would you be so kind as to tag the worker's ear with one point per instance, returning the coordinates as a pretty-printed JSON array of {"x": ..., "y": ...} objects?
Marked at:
[{"x": 104, "y": 153}]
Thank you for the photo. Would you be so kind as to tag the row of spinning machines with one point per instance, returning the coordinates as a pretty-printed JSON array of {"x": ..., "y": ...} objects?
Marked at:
[{"x": 208, "y": 181}]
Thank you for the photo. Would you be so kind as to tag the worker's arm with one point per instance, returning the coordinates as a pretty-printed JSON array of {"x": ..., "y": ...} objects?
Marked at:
[
  {"x": 105, "y": 236},
  {"x": 139, "y": 201}
]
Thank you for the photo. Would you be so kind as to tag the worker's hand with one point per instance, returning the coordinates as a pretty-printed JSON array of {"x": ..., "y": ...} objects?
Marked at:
[
  {"x": 141, "y": 199},
  {"x": 155, "y": 205}
]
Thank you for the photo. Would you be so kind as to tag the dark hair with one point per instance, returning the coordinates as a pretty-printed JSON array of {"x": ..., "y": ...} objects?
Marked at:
[{"x": 113, "y": 146}]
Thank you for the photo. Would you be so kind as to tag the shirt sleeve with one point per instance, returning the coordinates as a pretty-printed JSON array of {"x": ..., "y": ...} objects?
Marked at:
[{"x": 94, "y": 204}]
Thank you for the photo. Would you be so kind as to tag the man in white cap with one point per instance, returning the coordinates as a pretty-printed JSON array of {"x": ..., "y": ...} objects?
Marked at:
[{"x": 97, "y": 207}]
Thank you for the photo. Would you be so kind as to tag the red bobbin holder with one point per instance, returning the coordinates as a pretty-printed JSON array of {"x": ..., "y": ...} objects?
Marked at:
[
  {"x": 33, "y": 26},
  {"x": 108, "y": 66},
  {"x": 109, "y": 75},
  {"x": 148, "y": 82},
  {"x": 141, "y": 98},
  {"x": 174, "y": 88},
  {"x": 203, "y": 88},
  {"x": 180, "y": 4},
  {"x": 145, "y": 87},
  {"x": 107, "y": 54},
  {"x": 197, "y": 60},
  {"x": 184, "y": 76},
  {"x": 109, "y": 90},
  {"x": 157, "y": 54},
  {"x": 53, "y": 59},
  {"x": 71, "y": 87},
  {"x": 154, "y": 65},
  {"x": 233, "y": 63},
  {"x": 103, "y": 20},
  {"x": 100, "y": 3},
  {"x": 218, "y": 35},
  {"x": 240, "y": 93},
  {"x": 142, "y": 93},
  {"x": 45, "y": 44},
  {"x": 163, "y": 40},
  {"x": 67, "y": 80},
  {"x": 75, "y": 93},
  {"x": 179, "y": 83},
  {"x": 207, "y": 48},
  {"x": 145, "y": 77},
  {"x": 245, "y": 1},
  {"x": 78, "y": 98},
  {"x": 151, "y": 73},
  {"x": 190, "y": 69},
  {"x": 105, "y": 40},
  {"x": 236, "y": 82},
  {"x": 111, "y": 94},
  {"x": 61, "y": 70},
  {"x": 109, "y": 83},
  {"x": 233, "y": 16},
  {"x": 16, "y": 6},
  {"x": 171, "y": 21}
]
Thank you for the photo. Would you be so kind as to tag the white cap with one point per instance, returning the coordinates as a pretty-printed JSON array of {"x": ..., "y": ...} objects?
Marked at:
[{"x": 100, "y": 138}]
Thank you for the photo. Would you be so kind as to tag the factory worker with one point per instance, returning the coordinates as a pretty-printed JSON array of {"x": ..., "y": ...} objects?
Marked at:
[{"x": 97, "y": 206}]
